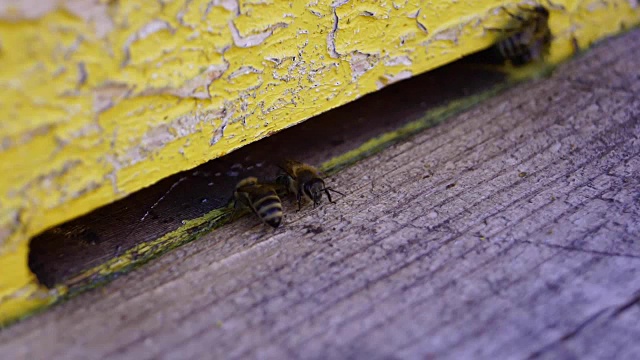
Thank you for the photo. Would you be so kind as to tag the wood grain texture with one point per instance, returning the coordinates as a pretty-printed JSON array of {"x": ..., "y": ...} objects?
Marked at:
[{"x": 511, "y": 231}]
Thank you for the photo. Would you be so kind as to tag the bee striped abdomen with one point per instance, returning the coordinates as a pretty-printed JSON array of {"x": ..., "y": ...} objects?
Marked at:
[
  {"x": 262, "y": 199},
  {"x": 513, "y": 48},
  {"x": 269, "y": 209}
]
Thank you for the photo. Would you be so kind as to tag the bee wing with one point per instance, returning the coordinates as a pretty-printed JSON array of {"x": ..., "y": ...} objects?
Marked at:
[
  {"x": 289, "y": 166},
  {"x": 245, "y": 188},
  {"x": 280, "y": 189}
]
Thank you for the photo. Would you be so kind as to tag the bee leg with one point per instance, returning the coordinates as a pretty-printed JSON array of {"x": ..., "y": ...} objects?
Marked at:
[
  {"x": 299, "y": 197},
  {"x": 335, "y": 191},
  {"x": 238, "y": 210},
  {"x": 502, "y": 30},
  {"x": 520, "y": 18},
  {"x": 235, "y": 209},
  {"x": 326, "y": 191}
]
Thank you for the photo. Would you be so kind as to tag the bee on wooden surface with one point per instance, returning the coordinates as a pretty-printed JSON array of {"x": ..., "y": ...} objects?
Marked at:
[
  {"x": 262, "y": 199},
  {"x": 304, "y": 181},
  {"x": 529, "y": 39}
]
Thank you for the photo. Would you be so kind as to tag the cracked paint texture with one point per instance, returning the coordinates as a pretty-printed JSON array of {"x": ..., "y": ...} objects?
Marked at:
[{"x": 103, "y": 98}]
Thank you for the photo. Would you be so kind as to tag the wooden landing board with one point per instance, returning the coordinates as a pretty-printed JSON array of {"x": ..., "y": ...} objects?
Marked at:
[{"x": 509, "y": 231}]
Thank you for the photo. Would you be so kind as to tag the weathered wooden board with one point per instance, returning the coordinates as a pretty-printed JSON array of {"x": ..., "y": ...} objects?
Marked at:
[{"x": 511, "y": 231}]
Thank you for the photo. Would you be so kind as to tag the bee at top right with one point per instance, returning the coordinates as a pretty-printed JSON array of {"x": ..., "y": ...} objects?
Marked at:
[
  {"x": 529, "y": 37},
  {"x": 304, "y": 181}
]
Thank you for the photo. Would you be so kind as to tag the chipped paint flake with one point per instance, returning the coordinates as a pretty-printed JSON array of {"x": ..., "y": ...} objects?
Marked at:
[
  {"x": 419, "y": 22},
  {"x": 398, "y": 60},
  {"x": 218, "y": 133},
  {"x": 93, "y": 12},
  {"x": 253, "y": 40},
  {"x": 387, "y": 79},
  {"x": 230, "y": 5},
  {"x": 151, "y": 27},
  {"x": 109, "y": 94},
  {"x": 451, "y": 34},
  {"x": 243, "y": 70},
  {"x": 82, "y": 73},
  {"x": 331, "y": 37},
  {"x": 361, "y": 63},
  {"x": 190, "y": 89}
]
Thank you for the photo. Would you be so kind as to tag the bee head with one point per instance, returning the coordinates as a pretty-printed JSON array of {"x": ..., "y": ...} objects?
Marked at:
[
  {"x": 313, "y": 189},
  {"x": 541, "y": 10},
  {"x": 275, "y": 222}
]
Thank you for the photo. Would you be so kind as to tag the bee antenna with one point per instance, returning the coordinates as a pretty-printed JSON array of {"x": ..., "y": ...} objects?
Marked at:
[
  {"x": 335, "y": 191},
  {"x": 327, "y": 189},
  {"x": 517, "y": 17}
]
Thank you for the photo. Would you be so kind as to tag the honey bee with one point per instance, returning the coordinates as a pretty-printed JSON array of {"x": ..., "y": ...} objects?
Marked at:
[
  {"x": 262, "y": 199},
  {"x": 530, "y": 38},
  {"x": 304, "y": 180}
]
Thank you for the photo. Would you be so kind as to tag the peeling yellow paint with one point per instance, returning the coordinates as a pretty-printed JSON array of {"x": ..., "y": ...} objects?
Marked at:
[{"x": 102, "y": 98}]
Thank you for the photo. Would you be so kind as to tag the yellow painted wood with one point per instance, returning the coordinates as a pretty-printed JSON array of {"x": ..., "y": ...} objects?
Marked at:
[{"x": 102, "y": 98}]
